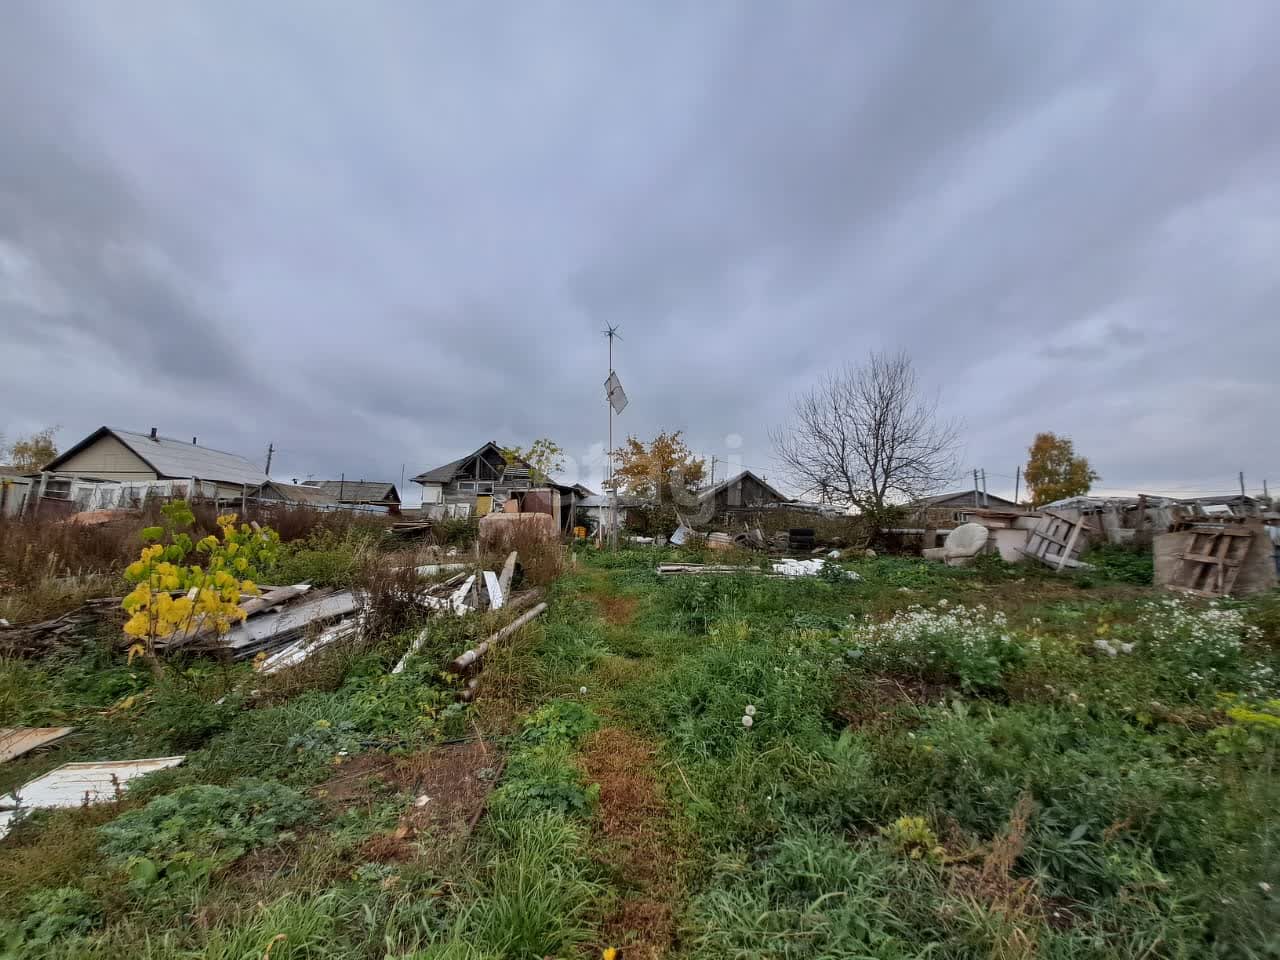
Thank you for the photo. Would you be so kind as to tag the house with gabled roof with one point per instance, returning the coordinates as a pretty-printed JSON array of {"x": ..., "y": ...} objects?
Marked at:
[
  {"x": 744, "y": 491},
  {"x": 362, "y": 493},
  {"x": 124, "y": 456},
  {"x": 485, "y": 471},
  {"x": 486, "y": 477}
]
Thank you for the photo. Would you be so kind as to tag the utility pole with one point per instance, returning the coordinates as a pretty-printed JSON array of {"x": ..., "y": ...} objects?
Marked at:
[
  {"x": 986, "y": 502},
  {"x": 713, "y": 469},
  {"x": 1242, "y": 483},
  {"x": 975, "y": 487},
  {"x": 1017, "y": 482},
  {"x": 271, "y": 448}
]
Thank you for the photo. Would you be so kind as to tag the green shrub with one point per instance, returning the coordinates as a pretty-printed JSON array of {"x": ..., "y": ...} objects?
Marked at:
[
  {"x": 49, "y": 915},
  {"x": 700, "y": 705},
  {"x": 1196, "y": 650},
  {"x": 559, "y": 722},
  {"x": 543, "y": 780},
  {"x": 1122, "y": 564},
  {"x": 975, "y": 647},
  {"x": 198, "y": 828}
]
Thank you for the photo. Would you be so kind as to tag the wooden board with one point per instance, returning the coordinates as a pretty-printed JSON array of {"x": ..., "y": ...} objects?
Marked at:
[
  {"x": 1055, "y": 541},
  {"x": 1209, "y": 565}
]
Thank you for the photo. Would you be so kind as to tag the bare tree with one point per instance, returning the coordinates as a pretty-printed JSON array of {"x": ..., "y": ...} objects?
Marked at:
[{"x": 867, "y": 436}]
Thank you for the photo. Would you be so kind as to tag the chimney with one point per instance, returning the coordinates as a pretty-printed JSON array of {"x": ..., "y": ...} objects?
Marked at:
[
  {"x": 193, "y": 441},
  {"x": 153, "y": 433}
]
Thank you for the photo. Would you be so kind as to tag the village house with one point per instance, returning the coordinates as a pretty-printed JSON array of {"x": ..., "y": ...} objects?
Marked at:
[
  {"x": 373, "y": 494},
  {"x": 945, "y": 510},
  {"x": 295, "y": 495},
  {"x": 122, "y": 456},
  {"x": 485, "y": 479},
  {"x": 744, "y": 491},
  {"x": 485, "y": 472}
]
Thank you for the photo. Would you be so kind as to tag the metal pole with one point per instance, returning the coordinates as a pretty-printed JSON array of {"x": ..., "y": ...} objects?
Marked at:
[
  {"x": 271, "y": 448},
  {"x": 613, "y": 491},
  {"x": 1017, "y": 482},
  {"x": 975, "y": 486},
  {"x": 1242, "y": 483},
  {"x": 986, "y": 501}
]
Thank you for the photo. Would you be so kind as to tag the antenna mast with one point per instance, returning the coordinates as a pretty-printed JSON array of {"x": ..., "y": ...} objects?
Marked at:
[{"x": 611, "y": 332}]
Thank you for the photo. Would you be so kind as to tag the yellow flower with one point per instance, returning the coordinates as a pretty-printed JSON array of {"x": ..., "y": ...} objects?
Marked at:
[
  {"x": 241, "y": 564},
  {"x": 134, "y": 570},
  {"x": 609, "y": 953},
  {"x": 248, "y": 586}
]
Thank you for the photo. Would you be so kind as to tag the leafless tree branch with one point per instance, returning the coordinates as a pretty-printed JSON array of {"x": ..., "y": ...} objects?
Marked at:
[{"x": 868, "y": 437}]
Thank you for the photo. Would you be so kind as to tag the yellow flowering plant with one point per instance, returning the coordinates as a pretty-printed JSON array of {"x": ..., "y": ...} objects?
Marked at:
[{"x": 174, "y": 597}]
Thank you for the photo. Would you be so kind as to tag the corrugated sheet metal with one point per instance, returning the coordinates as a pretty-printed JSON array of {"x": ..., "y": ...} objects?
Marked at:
[
  {"x": 175, "y": 458},
  {"x": 75, "y": 784},
  {"x": 15, "y": 741}
]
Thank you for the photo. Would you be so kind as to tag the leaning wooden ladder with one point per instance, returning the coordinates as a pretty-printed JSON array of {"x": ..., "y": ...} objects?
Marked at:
[
  {"x": 1055, "y": 541},
  {"x": 1208, "y": 567}
]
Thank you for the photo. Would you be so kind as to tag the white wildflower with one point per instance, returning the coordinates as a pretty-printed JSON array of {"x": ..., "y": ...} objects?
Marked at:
[
  {"x": 749, "y": 709},
  {"x": 747, "y": 721}
]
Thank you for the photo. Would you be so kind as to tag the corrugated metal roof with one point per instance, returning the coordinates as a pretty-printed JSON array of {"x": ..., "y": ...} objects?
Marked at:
[
  {"x": 15, "y": 741},
  {"x": 358, "y": 491},
  {"x": 298, "y": 493},
  {"x": 177, "y": 459},
  {"x": 174, "y": 458}
]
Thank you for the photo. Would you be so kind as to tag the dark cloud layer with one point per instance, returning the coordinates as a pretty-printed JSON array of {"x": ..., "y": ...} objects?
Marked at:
[{"x": 380, "y": 234}]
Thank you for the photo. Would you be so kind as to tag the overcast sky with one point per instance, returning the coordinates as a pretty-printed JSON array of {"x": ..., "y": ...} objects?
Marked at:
[{"x": 381, "y": 233}]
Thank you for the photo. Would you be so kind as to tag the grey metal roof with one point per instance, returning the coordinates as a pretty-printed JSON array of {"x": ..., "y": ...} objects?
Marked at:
[
  {"x": 358, "y": 491},
  {"x": 174, "y": 458},
  {"x": 177, "y": 459},
  {"x": 298, "y": 493},
  {"x": 447, "y": 472},
  {"x": 982, "y": 498}
]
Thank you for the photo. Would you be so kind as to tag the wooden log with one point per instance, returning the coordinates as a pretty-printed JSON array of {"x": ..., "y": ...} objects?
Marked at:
[{"x": 477, "y": 653}]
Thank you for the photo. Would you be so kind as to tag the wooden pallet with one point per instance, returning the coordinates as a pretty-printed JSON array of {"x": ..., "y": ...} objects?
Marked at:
[
  {"x": 1208, "y": 567},
  {"x": 1055, "y": 541}
]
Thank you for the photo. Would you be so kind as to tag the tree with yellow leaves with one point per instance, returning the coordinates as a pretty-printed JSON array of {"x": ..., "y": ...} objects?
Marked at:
[
  {"x": 664, "y": 469},
  {"x": 173, "y": 598}
]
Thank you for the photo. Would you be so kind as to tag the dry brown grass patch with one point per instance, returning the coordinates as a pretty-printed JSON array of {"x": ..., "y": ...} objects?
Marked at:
[
  {"x": 640, "y": 842},
  {"x": 618, "y": 611}
]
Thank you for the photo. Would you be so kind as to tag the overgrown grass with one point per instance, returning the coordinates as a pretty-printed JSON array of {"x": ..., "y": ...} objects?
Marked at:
[{"x": 1050, "y": 771}]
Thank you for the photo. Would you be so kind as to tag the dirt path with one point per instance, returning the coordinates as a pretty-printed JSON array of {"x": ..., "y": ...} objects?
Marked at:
[{"x": 639, "y": 842}]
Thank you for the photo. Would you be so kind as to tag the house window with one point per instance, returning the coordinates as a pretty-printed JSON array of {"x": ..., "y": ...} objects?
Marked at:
[
  {"x": 475, "y": 486},
  {"x": 57, "y": 489}
]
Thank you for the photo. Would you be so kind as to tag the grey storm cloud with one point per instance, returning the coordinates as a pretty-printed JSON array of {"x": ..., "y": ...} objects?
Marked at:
[{"x": 380, "y": 234}]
